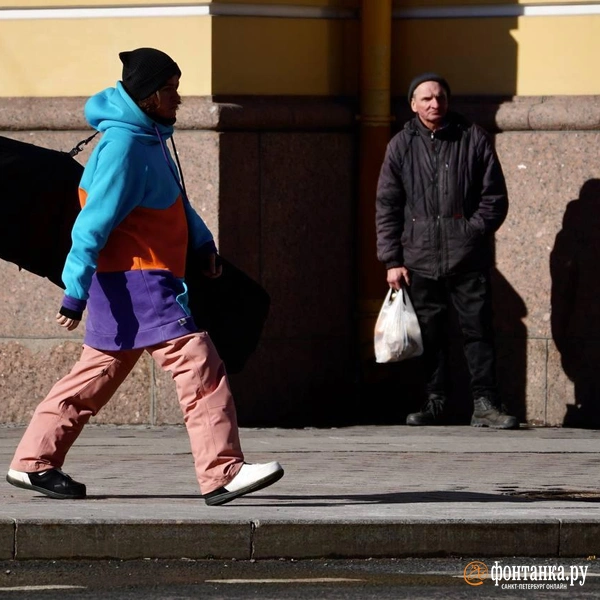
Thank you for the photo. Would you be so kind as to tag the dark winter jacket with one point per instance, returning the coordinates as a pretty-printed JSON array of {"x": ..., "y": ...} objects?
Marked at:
[{"x": 440, "y": 198}]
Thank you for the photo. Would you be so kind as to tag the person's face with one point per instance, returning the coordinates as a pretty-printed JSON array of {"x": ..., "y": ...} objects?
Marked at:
[
  {"x": 166, "y": 100},
  {"x": 430, "y": 102}
]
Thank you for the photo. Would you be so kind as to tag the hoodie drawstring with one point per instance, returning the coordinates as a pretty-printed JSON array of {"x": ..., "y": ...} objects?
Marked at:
[{"x": 178, "y": 176}]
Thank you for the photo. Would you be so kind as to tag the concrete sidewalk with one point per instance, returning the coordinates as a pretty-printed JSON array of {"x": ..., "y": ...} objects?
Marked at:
[{"x": 349, "y": 492}]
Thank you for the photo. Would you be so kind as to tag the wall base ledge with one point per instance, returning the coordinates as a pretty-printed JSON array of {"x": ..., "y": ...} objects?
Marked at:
[{"x": 306, "y": 113}]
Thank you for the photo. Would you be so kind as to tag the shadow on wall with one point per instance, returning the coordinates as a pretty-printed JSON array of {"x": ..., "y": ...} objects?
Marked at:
[
  {"x": 511, "y": 345},
  {"x": 575, "y": 302}
]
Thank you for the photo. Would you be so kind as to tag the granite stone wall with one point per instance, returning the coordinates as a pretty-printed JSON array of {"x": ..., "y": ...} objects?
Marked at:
[{"x": 275, "y": 179}]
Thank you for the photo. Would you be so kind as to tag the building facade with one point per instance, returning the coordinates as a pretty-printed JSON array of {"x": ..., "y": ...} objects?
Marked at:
[{"x": 274, "y": 134}]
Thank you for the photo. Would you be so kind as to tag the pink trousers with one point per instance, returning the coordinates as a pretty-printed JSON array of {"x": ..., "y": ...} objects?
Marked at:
[{"x": 203, "y": 392}]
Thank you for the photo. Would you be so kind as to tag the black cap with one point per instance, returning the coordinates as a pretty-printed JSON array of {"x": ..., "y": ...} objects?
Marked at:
[
  {"x": 419, "y": 79},
  {"x": 146, "y": 70}
]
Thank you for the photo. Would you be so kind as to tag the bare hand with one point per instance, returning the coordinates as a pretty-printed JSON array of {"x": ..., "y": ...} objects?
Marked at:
[
  {"x": 396, "y": 275},
  {"x": 213, "y": 270},
  {"x": 67, "y": 323}
]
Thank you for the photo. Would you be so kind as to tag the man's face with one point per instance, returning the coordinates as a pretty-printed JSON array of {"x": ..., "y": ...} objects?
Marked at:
[
  {"x": 430, "y": 102},
  {"x": 166, "y": 100}
]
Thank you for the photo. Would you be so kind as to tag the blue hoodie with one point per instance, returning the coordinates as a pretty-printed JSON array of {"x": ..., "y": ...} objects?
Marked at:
[{"x": 130, "y": 240}]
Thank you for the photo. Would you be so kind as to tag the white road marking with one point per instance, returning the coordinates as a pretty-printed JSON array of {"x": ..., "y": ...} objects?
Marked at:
[
  {"x": 39, "y": 588},
  {"x": 306, "y": 580}
]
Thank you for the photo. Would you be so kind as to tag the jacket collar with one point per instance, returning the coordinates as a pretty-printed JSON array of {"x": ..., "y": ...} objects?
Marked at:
[{"x": 454, "y": 125}]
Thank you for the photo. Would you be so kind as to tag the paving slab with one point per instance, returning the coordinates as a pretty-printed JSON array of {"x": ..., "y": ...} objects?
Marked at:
[{"x": 349, "y": 492}]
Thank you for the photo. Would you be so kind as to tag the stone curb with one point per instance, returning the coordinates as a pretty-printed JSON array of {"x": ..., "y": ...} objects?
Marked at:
[{"x": 29, "y": 539}]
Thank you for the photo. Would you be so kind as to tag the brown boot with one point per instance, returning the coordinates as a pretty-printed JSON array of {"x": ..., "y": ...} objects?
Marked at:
[{"x": 487, "y": 414}]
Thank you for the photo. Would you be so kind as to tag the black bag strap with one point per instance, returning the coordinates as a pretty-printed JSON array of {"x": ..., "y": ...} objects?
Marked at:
[{"x": 79, "y": 147}]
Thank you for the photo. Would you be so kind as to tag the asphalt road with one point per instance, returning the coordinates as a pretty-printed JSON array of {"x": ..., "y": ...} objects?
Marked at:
[{"x": 421, "y": 579}]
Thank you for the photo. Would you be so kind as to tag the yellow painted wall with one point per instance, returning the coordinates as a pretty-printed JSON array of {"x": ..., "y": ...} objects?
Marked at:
[
  {"x": 284, "y": 56},
  {"x": 476, "y": 56},
  {"x": 76, "y": 57},
  {"x": 526, "y": 56},
  {"x": 257, "y": 55},
  {"x": 558, "y": 56}
]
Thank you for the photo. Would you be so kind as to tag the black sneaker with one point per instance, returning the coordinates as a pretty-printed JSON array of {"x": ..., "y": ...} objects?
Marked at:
[
  {"x": 53, "y": 483},
  {"x": 487, "y": 414},
  {"x": 250, "y": 478},
  {"x": 431, "y": 413}
]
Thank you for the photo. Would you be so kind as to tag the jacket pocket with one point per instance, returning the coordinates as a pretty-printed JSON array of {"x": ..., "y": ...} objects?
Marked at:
[
  {"x": 419, "y": 244},
  {"x": 417, "y": 233},
  {"x": 463, "y": 241},
  {"x": 459, "y": 232}
]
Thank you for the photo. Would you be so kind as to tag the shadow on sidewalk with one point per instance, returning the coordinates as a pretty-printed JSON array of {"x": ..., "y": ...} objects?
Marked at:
[
  {"x": 391, "y": 498},
  {"x": 435, "y": 497},
  {"x": 518, "y": 496}
]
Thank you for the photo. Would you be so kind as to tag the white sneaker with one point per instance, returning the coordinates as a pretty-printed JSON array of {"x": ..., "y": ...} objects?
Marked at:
[{"x": 250, "y": 478}]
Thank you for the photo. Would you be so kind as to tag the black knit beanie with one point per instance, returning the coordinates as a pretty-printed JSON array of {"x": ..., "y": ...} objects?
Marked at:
[
  {"x": 419, "y": 79},
  {"x": 146, "y": 70}
]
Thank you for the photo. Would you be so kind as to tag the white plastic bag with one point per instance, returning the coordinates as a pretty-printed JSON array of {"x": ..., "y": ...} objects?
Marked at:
[{"x": 397, "y": 331}]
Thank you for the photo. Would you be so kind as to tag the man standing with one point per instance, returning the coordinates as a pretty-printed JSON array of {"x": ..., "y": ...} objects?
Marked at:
[{"x": 441, "y": 197}]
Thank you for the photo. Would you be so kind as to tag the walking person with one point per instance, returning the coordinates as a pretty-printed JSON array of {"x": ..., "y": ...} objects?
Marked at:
[
  {"x": 126, "y": 266},
  {"x": 441, "y": 196}
]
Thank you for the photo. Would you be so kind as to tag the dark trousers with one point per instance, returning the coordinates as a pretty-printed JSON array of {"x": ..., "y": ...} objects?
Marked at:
[{"x": 470, "y": 294}]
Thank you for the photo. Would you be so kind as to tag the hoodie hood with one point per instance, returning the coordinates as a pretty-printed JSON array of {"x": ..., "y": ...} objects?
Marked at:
[{"x": 113, "y": 107}]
